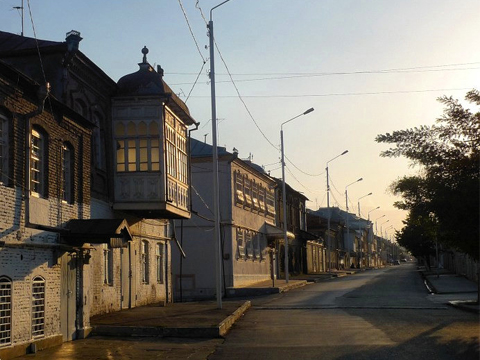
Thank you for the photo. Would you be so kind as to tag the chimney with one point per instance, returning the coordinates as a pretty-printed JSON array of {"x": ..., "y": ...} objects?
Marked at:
[{"x": 73, "y": 40}]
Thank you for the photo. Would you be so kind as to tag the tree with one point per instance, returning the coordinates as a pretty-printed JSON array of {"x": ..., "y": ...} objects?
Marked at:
[{"x": 447, "y": 186}]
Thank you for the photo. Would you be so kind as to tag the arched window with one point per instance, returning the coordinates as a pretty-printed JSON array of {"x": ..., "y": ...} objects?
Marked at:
[
  {"x": 160, "y": 256},
  {"x": 38, "y": 162},
  {"x": 5, "y": 311},
  {"x": 3, "y": 147},
  {"x": 144, "y": 260},
  {"x": 38, "y": 307},
  {"x": 67, "y": 173}
]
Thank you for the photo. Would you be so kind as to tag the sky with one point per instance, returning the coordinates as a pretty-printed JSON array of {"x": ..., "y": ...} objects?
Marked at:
[{"x": 367, "y": 67}]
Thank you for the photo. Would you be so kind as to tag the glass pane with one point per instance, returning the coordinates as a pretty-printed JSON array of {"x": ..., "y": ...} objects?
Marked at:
[
  {"x": 131, "y": 129},
  {"x": 120, "y": 129},
  {"x": 155, "y": 166},
  {"x": 120, "y": 167},
  {"x": 143, "y": 155},
  {"x": 153, "y": 128},
  {"x": 142, "y": 128},
  {"x": 144, "y": 167}
]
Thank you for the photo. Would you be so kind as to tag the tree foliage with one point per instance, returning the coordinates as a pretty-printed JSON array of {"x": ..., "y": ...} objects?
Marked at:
[{"x": 447, "y": 186}]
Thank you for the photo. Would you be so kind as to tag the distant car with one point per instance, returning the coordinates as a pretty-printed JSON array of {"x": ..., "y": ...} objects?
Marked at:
[
  {"x": 403, "y": 260},
  {"x": 396, "y": 262}
]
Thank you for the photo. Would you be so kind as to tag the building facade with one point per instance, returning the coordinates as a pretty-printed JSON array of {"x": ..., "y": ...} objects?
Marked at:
[
  {"x": 248, "y": 230},
  {"x": 93, "y": 174}
]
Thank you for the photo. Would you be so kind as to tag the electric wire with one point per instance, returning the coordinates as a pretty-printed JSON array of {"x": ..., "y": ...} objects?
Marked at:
[
  {"x": 204, "y": 61},
  {"x": 344, "y": 94},
  {"x": 382, "y": 71}
]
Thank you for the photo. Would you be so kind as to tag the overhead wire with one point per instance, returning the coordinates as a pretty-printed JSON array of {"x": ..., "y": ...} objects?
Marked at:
[{"x": 198, "y": 49}]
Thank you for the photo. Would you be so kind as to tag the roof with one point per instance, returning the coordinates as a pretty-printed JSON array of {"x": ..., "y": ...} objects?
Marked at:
[
  {"x": 148, "y": 82},
  {"x": 14, "y": 43},
  {"x": 99, "y": 231},
  {"x": 275, "y": 232},
  {"x": 288, "y": 189},
  {"x": 202, "y": 149}
]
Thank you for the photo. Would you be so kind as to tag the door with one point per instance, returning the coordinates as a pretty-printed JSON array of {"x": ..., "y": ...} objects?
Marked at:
[{"x": 68, "y": 289}]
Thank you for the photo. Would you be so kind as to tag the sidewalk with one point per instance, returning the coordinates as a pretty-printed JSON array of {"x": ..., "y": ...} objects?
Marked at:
[
  {"x": 181, "y": 320},
  {"x": 457, "y": 290}
]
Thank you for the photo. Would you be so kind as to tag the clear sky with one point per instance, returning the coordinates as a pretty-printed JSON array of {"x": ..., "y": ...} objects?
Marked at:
[{"x": 366, "y": 66}]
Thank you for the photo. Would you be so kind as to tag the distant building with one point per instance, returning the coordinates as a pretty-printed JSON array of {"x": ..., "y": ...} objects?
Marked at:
[{"x": 248, "y": 230}]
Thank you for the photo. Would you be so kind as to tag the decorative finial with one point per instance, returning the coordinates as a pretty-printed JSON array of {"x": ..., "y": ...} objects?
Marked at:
[{"x": 144, "y": 52}]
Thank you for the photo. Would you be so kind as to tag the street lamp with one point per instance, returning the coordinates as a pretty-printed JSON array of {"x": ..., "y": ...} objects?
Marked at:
[
  {"x": 381, "y": 232},
  {"x": 378, "y": 207},
  {"x": 328, "y": 207},
  {"x": 216, "y": 192},
  {"x": 284, "y": 193},
  {"x": 376, "y": 227},
  {"x": 348, "y": 216},
  {"x": 360, "y": 198},
  {"x": 369, "y": 234}
]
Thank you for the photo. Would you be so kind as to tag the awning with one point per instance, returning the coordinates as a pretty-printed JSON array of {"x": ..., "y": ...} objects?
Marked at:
[
  {"x": 274, "y": 232},
  {"x": 114, "y": 232}
]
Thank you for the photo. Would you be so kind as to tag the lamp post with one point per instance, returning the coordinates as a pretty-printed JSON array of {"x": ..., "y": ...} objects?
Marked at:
[
  {"x": 358, "y": 202},
  {"x": 348, "y": 216},
  {"x": 381, "y": 232},
  {"x": 328, "y": 207},
  {"x": 284, "y": 193},
  {"x": 216, "y": 192},
  {"x": 368, "y": 235},
  {"x": 376, "y": 227}
]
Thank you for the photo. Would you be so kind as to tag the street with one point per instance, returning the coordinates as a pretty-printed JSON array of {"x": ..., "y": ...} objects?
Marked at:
[{"x": 377, "y": 314}]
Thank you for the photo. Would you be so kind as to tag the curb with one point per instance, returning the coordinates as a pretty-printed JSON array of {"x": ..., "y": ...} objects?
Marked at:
[
  {"x": 462, "y": 305},
  {"x": 205, "y": 332},
  {"x": 252, "y": 291}
]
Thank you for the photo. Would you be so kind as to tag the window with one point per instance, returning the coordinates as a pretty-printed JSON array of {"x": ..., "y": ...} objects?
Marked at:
[
  {"x": 240, "y": 244},
  {"x": 67, "y": 173},
  {"x": 107, "y": 265},
  {"x": 5, "y": 311},
  {"x": 3, "y": 148},
  {"x": 176, "y": 148},
  {"x": 270, "y": 203},
  {"x": 160, "y": 262},
  {"x": 261, "y": 198},
  {"x": 38, "y": 307},
  {"x": 249, "y": 244},
  {"x": 256, "y": 246},
  {"x": 138, "y": 146},
  {"x": 144, "y": 260},
  {"x": 37, "y": 163},
  {"x": 239, "y": 187},
  {"x": 248, "y": 191},
  {"x": 255, "y": 195}
]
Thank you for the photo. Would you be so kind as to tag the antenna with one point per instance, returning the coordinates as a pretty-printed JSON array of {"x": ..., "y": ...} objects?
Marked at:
[{"x": 20, "y": 8}]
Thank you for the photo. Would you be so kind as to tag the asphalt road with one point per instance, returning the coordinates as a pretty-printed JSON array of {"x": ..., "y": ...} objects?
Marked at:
[{"x": 377, "y": 314}]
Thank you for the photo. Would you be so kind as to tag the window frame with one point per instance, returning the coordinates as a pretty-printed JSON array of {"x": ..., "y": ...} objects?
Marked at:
[
  {"x": 107, "y": 265},
  {"x": 6, "y": 294},
  {"x": 4, "y": 147},
  {"x": 67, "y": 173},
  {"x": 160, "y": 262},
  {"x": 38, "y": 307},
  {"x": 37, "y": 162},
  {"x": 144, "y": 261}
]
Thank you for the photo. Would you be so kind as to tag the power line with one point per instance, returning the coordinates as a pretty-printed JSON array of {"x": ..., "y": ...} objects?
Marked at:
[
  {"x": 344, "y": 94},
  {"x": 382, "y": 71}
]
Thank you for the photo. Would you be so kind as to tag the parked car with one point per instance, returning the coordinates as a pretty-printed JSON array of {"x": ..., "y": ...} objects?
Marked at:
[{"x": 396, "y": 262}]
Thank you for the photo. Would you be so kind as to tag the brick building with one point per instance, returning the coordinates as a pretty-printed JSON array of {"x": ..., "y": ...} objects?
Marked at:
[{"x": 93, "y": 172}]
